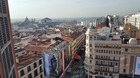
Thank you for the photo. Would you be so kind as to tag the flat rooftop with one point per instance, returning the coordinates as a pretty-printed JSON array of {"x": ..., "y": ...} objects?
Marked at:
[
  {"x": 19, "y": 50},
  {"x": 27, "y": 59}
]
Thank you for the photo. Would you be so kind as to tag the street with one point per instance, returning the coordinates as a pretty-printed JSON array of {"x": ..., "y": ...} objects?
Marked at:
[{"x": 77, "y": 67}]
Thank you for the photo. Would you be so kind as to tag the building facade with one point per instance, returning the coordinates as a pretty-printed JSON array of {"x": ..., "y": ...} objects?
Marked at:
[
  {"x": 7, "y": 59},
  {"x": 132, "y": 31},
  {"x": 76, "y": 40},
  {"x": 56, "y": 60},
  {"x": 30, "y": 66},
  {"x": 130, "y": 54},
  {"x": 102, "y": 58},
  {"x": 111, "y": 57},
  {"x": 134, "y": 19}
]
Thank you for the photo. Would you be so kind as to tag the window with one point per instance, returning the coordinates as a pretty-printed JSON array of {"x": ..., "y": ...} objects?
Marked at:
[
  {"x": 110, "y": 74},
  {"x": 29, "y": 68},
  {"x": 90, "y": 56},
  {"x": 90, "y": 38},
  {"x": 119, "y": 52},
  {"x": 101, "y": 57},
  {"x": 101, "y": 73},
  {"x": 35, "y": 65},
  {"x": 22, "y": 73},
  {"x": 126, "y": 49},
  {"x": 30, "y": 76},
  {"x": 90, "y": 45},
  {"x": 101, "y": 51},
  {"x": 106, "y": 51},
  {"x": 124, "y": 70},
  {"x": 101, "y": 62},
  {"x": 90, "y": 76},
  {"x": 95, "y": 38},
  {"x": 97, "y": 51},
  {"x": 111, "y": 52},
  {"x": 35, "y": 73},
  {"x": 40, "y": 69},
  {"x": 116, "y": 52},
  {"x": 90, "y": 50},
  {"x": 96, "y": 56},
  {"x": 90, "y": 61},
  {"x": 116, "y": 64},
  {"x": 41, "y": 76},
  {"x": 40, "y": 62},
  {"x": 96, "y": 62},
  {"x": 106, "y": 57},
  {"x": 111, "y": 63},
  {"x": 105, "y": 74}
]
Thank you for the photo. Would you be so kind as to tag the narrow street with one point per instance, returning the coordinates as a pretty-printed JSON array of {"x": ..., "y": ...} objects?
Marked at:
[{"x": 77, "y": 68}]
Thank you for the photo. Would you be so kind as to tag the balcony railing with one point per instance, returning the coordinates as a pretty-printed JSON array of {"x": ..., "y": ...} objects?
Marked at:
[
  {"x": 107, "y": 59},
  {"x": 107, "y": 71},
  {"x": 104, "y": 65}
]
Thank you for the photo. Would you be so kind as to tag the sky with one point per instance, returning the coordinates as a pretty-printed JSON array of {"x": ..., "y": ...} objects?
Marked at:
[{"x": 71, "y": 8}]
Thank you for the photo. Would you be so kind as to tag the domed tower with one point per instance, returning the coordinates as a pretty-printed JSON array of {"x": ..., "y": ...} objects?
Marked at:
[
  {"x": 133, "y": 41},
  {"x": 89, "y": 64}
]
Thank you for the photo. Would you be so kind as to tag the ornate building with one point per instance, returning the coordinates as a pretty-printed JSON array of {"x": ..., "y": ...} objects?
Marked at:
[{"x": 102, "y": 57}]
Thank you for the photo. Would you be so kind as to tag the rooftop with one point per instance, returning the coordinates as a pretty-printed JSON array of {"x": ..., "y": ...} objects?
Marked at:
[
  {"x": 19, "y": 50},
  {"x": 27, "y": 59},
  {"x": 40, "y": 42}
]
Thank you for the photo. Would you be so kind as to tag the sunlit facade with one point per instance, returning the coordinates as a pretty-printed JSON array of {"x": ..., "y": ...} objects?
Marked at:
[{"x": 102, "y": 57}]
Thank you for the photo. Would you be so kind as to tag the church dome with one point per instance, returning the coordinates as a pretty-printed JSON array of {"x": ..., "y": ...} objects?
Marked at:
[{"x": 133, "y": 41}]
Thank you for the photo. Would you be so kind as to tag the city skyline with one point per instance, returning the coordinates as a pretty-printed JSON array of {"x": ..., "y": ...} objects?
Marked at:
[{"x": 70, "y": 9}]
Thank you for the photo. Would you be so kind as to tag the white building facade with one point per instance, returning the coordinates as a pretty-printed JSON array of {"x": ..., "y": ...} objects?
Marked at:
[
  {"x": 102, "y": 57},
  {"x": 134, "y": 19}
]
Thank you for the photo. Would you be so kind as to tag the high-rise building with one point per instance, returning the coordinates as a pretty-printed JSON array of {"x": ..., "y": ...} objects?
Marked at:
[{"x": 7, "y": 60}]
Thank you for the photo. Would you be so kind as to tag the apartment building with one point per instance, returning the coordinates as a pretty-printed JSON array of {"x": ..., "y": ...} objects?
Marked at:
[
  {"x": 110, "y": 55},
  {"x": 102, "y": 58},
  {"x": 30, "y": 66},
  {"x": 130, "y": 56},
  {"x": 133, "y": 19},
  {"x": 38, "y": 45},
  {"x": 56, "y": 58},
  {"x": 7, "y": 59},
  {"x": 132, "y": 31},
  {"x": 76, "y": 40}
]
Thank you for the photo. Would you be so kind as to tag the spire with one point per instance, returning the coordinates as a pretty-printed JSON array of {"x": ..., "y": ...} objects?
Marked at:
[{"x": 26, "y": 20}]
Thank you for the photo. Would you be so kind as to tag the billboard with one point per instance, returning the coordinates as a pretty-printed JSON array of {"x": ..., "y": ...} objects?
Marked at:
[
  {"x": 50, "y": 62},
  {"x": 137, "y": 67}
]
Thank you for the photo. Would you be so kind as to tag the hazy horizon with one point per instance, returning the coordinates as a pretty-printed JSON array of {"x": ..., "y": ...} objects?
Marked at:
[{"x": 71, "y": 8}]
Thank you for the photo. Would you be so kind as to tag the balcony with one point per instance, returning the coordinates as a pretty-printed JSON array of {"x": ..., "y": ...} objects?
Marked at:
[
  {"x": 107, "y": 71},
  {"x": 107, "y": 59},
  {"x": 104, "y": 65}
]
